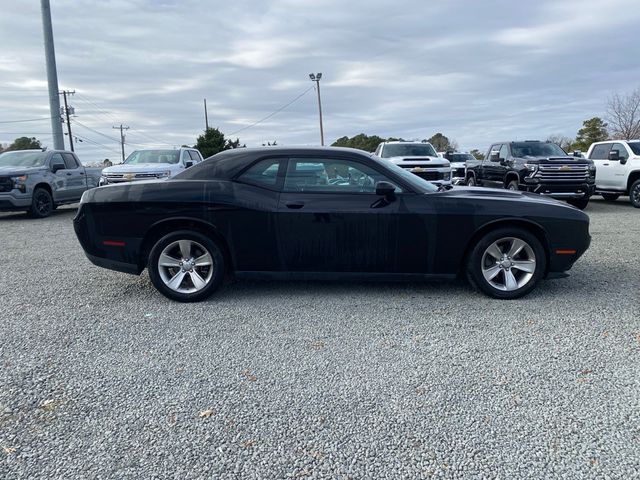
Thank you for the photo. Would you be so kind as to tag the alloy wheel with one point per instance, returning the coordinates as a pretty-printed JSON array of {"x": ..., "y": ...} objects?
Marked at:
[
  {"x": 185, "y": 266},
  {"x": 508, "y": 264}
]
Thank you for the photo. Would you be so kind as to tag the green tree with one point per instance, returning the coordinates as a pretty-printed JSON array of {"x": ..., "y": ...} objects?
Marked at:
[
  {"x": 25, "y": 143},
  {"x": 593, "y": 130},
  {"x": 477, "y": 153},
  {"x": 212, "y": 141},
  {"x": 441, "y": 143},
  {"x": 360, "y": 141}
]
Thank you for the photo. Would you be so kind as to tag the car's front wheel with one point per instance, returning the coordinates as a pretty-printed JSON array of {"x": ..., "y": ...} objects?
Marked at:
[
  {"x": 506, "y": 263},
  {"x": 634, "y": 194},
  {"x": 186, "y": 266},
  {"x": 41, "y": 203}
]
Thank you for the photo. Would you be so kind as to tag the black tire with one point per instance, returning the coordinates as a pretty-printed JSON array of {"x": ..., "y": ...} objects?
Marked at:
[
  {"x": 610, "y": 197},
  {"x": 471, "y": 181},
  {"x": 41, "y": 203},
  {"x": 200, "y": 243},
  {"x": 477, "y": 258},
  {"x": 512, "y": 185},
  {"x": 580, "y": 203},
  {"x": 634, "y": 194}
]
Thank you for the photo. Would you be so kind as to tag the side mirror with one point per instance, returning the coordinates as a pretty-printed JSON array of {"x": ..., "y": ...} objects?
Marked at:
[
  {"x": 188, "y": 164},
  {"x": 57, "y": 166},
  {"x": 577, "y": 153},
  {"x": 495, "y": 156},
  {"x": 614, "y": 155},
  {"x": 386, "y": 190}
]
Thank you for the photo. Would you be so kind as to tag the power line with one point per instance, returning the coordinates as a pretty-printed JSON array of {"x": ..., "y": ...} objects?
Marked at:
[
  {"x": 86, "y": 139},
  {"x": 273, "y": 113},
  {"x": 29, "y": 120},
  {"x": 97, "y": 132}
]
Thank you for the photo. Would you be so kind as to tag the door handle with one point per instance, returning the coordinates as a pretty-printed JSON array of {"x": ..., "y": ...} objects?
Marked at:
[
  {"x": 605, "y": 164},
  {"x": 69, "y": 173},
  {"x": 294, "y": 205}
]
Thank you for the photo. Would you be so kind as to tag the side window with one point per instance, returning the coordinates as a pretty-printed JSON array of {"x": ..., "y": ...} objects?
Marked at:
[
  {"x": 185, "y": 156},
  {"x": 70, "y": 161},
  {"x": 504, "y": 152},
  {"x": 194, "y": 156},
  {"x": 377, "y": 152},
  {"x": 600, "y": 152},
  {"x": 326, "y": 175},
  {"x": 622, "y": 152},
  {"x": 493, "y": 149},
  {"x": 263, "y": 174},
  {"x": 56, "y": 159}
]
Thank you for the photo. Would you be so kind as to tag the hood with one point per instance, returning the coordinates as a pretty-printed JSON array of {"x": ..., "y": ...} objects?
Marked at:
[
  {"x": 17, "y": 171},
  {"x": 140, "y": 168},
  {"x": 419, "y": 160},
  {"x": 502, "y": 194}
]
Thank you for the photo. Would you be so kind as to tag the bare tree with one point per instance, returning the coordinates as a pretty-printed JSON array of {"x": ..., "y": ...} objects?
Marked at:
[
  {"x": 562, "y": 141},
  {"x": 623, "y": 113}
]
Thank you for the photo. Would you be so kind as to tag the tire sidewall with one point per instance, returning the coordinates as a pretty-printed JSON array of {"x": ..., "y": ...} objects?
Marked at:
[
  {"x": 471, "y": 181},
  {"x": 474, "y": 262},
  {"x": 514, "y": 183},
  {"x": 205, "y": 241},
  {"x": 634, "y": 194},
  {"x": 33, "y": 211}
]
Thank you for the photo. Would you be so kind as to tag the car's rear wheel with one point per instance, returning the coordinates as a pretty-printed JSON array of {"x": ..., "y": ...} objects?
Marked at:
[
  {"x": 41, "y": 203},
  {"x": 512, "y": 185},
  {"x": 186, "y": 266},
  {"x": 610, "y": 197},
  {"x": 506, "y": 263},
  {"x": 634, "y": 194},
  {"x": 580, "y": 203}
]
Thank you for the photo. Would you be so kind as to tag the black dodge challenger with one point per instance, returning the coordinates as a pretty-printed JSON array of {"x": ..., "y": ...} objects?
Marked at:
[{"x": 324, "y": 213}]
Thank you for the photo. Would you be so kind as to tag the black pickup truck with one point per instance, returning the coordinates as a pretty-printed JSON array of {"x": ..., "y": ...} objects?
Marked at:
[{"x": 534, "y": 166}]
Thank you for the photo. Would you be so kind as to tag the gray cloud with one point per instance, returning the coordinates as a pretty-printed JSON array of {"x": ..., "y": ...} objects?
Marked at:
[{"x": 476, "y": 71}]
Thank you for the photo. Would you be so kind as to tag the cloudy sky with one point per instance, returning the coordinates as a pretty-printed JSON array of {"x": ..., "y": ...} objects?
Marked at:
[{"x": 476, "y": 71}]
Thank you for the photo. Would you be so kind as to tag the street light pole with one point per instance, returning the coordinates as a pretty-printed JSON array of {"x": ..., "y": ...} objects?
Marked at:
[{"x": 316, "y": 78}]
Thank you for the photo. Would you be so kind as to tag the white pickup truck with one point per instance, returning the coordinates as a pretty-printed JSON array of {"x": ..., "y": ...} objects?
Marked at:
[
  {"x": 420, "y": 158},
  {"x": 151, "y": 164},
  {"x": 617, "y": 169}
]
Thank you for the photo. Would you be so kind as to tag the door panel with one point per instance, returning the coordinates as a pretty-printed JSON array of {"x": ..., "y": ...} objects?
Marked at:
[
  {"x": 604, "y": 166},
  {"x": 76, "y": 181},
  {"x": 60, "y": 179}
]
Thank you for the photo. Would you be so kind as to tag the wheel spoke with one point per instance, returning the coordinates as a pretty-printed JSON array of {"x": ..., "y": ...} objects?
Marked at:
[
  {"x": 176, "y": 281},
  {"x": 491, "y": 272},
  {"x": 510, "y": 281},
  {"x": 167, "y": 261},
  {"x": 495, "y": 251},
  {"x": 528, "y": 266},
  {"x": 203, "y": 260},
  {"x": 197, "y": 280},
  {"x": 516, "y": 247},
  {"x": 185, "y": 248}
]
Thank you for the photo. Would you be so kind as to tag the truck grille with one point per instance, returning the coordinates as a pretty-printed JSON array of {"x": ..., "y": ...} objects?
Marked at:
[
  {"x": 6, "y": 184},
  {"x": 127, "y": 177},
  {"x": 563, "y": 173},
  {"x": 427, "y": 173}
]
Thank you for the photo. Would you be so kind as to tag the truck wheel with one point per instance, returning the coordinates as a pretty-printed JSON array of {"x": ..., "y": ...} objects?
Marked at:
[
  {"x": 471, "y": 181},
  {"x": 512, "y": 185},
  {"x": 506, "y": 263},
  {"x": 610, "y": 197},
  {"x": 634, "y": 194},
  {"x": 186, "y": 266},
  {"x": 41, "y": 203},
  {"x": 580, "y": 203}
]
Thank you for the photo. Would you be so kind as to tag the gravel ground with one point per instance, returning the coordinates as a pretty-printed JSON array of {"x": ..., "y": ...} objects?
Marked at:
[{"x": 101, "y": 377}]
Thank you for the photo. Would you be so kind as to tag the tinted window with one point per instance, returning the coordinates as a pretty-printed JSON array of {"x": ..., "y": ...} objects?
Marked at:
[
  {"x": 70, "y": 161},
  {"x": 331, "y": 176},
  {"x": 459, "y": 157},
  {"x": 408, "y": 150},
  {"x": 504, "y": 152},
  {"x": 635, "y": 147},
  {"x": 494, "y": 149},
  {"x": 264, "y": 173},
  {"x": 622, "y": 152},
  {"x": 153, "y": 156},
  {"x": 22, "y": 159},
  {"x": 536, "y": 149},
  {"x": 194, "y": 156},
  {"x": 56, "y": 158},
  {"x": 600, "y": 152}
]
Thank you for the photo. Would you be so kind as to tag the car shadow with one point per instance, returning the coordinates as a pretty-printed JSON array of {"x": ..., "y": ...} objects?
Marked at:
[{"x": 22, "y": 216}]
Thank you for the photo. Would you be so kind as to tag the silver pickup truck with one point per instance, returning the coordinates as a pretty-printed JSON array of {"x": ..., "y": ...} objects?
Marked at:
[{"x": 37, "y": 182}]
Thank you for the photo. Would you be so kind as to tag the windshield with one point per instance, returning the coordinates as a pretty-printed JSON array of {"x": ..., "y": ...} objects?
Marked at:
[
  {"x": 536, "y": 149},
  {"x": 460, "y": 157},
  {"x": 22, "y": 159},
  {"x": 408, "y": 150},
  {"x": 635, "y": 147},
  {"x": 153, "y": 156},
  {"x": 418, "y": 184}
]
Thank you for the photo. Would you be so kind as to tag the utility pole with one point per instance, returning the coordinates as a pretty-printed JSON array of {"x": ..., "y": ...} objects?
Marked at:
[
  {"x": 52, "y": 76},
  {"x": 316, "y": 78},
  {"x": 68, "y": 110},
  {"x": 122, "y": 128},
  {"x": 206, "y": 117}
]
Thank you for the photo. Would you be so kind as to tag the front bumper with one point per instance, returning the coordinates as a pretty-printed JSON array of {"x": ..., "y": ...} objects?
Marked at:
[
  {"x": 11, "y": 202},
  {"x": 561, "y": 191}
]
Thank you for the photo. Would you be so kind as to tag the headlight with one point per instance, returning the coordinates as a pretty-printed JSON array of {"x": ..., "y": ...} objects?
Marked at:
[
  {"x": 102, "y": 181},
  {"x": 532, "y": 167},
  {"x": 19, "y": 182},
  {"x": 165, "y": 174},
  {"x": 592, "y": 169},
  {"x": 446, "y": 175}
]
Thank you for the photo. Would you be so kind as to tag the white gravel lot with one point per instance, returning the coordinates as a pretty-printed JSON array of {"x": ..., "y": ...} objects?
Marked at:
[{"x": 101, "y": 377}]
